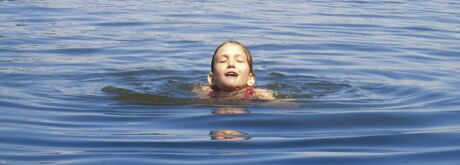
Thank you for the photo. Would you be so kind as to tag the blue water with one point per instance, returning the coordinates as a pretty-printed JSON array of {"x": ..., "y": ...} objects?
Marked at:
[{"x": 109, "y": 82}]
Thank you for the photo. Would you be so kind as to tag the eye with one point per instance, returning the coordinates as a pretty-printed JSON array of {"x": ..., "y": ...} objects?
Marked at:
[{"x": 222, "y": 61}]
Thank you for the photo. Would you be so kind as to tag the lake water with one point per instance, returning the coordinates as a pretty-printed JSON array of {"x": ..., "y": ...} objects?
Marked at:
[{"x": 108, "y": 82}]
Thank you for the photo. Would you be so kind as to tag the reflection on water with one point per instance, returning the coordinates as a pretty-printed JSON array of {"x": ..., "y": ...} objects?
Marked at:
[
  {"x": 229, "y": 111},
  {"x": 229, "y": 134}
]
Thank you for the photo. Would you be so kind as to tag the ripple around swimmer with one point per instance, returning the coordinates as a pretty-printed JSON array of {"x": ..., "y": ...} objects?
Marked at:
[{"x": 153, "y": 87}]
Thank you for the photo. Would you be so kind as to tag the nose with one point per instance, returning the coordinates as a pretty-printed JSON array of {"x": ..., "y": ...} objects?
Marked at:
[{"x": 231, "y": 64}]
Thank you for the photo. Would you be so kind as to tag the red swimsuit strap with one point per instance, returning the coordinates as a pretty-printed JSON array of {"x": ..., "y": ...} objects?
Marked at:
[{"x": 250, "y": 91}]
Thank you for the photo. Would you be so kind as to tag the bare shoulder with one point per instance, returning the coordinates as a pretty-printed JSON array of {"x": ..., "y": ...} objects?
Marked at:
[
  {"x": 269, "y": 95},
  {"x": 265, "y": 94},
  {"x": 202, "y": 91}
]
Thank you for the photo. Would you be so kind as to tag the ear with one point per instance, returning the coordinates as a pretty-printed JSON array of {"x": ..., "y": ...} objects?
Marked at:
[
  {"x": 211, "y": 79},
  {"x": 251, "y": 80}
]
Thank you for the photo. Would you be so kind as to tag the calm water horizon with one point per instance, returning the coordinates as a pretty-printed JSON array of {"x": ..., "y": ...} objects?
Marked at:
[{"x": 109, "y": 82}]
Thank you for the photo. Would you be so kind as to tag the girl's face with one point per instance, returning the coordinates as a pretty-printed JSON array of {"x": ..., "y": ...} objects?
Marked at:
[{"x": 231, "y": 69}]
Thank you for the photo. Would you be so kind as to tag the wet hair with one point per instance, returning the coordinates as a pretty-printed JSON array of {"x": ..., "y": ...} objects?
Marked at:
[{"x": 246, "y": 50}]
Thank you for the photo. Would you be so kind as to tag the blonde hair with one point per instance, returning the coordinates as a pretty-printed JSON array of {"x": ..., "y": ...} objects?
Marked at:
[{"x": 246, "y": 50}]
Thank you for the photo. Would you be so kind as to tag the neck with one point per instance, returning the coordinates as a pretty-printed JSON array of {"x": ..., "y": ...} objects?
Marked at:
[{"x": 231, "y": 90}]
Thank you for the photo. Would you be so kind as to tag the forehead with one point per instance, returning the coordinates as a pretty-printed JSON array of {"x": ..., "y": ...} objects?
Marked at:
[{"x": 230, "y": 49}]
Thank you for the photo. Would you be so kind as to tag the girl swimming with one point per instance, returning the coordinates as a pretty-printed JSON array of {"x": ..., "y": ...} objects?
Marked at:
[{"x": 232, "y": 75}]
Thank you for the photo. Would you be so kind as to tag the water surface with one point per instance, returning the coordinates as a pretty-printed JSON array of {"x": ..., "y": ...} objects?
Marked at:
[{"x": 109, "y": 82}]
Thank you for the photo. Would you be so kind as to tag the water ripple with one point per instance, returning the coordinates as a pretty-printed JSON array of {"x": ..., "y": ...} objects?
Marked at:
[{"x": 372, "y": 82}]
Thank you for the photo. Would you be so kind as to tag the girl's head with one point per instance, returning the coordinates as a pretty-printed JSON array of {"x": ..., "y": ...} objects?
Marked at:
[{"x": 231, "y": 67}]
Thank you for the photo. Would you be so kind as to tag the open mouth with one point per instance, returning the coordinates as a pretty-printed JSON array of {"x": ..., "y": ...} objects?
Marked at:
[{"x": 231, "y": 74}]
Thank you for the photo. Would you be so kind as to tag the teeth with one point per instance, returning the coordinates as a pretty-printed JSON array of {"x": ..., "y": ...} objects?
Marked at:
[{"x": 231, "y": 74}]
